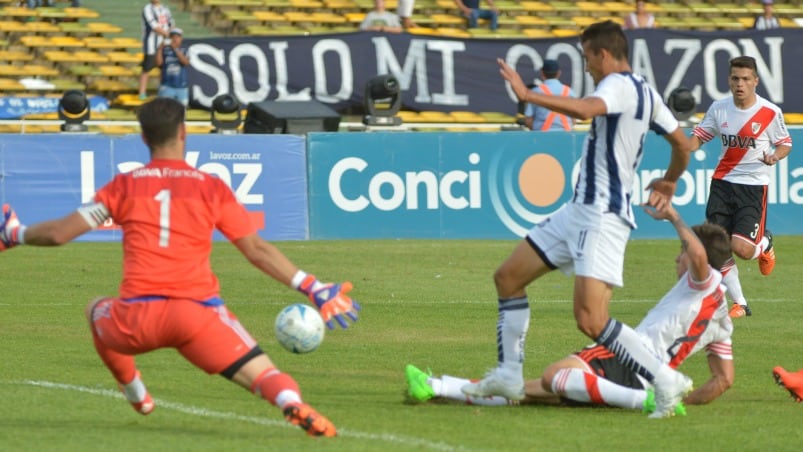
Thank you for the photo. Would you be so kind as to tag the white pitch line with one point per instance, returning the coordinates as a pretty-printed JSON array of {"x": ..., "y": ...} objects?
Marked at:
[{"x": 203, "y": 412}]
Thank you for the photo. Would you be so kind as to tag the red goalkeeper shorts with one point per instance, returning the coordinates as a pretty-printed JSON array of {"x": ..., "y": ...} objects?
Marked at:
[{"x": 210, "y": 337}]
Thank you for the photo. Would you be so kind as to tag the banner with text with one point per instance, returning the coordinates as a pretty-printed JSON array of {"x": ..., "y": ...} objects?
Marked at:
[
  {"x": 446, "y": 74},
  {"x": 45, "y": 176},
  {"x": 494, "y": 185}
]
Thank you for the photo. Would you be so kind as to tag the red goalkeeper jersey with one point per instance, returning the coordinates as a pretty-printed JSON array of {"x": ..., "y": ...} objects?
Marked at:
[{"x": 168, "y": 211}]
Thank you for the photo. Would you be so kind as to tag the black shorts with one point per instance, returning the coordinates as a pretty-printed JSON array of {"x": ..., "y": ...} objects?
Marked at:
[
  {"x": 740, "y": 209},
  {"x": 148, "y": 62},
  {"x": 604, "y": 364}
]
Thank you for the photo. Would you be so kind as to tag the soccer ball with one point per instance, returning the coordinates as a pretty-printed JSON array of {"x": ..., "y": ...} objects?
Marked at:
[{"x": 299, "y": 328}]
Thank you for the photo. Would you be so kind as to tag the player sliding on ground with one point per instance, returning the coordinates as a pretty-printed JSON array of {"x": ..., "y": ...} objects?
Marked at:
[
  {"x": 693, "y": 315},
  {"x": 169, "y": 297}
]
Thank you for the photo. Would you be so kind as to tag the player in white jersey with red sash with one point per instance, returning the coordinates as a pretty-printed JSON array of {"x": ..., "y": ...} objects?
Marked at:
[
  {"x": 691, "y": 317},
  {"x": 588, "y": 235},
  {"x": 753, "y": 138}
]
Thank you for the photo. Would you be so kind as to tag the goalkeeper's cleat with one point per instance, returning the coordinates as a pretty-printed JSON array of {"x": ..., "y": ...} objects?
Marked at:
[
  {"x": 791, "y": 381},
  {"x": 417, "y": 387},
  {"x": 739, "y": 310},
  {"x": 497, "y": 382},
  {"x": 649, "y": 404},
  {"x": 143, "y": 405},
  {"x": 311, "y": 421},
  {"x": 766, "y": 260}
]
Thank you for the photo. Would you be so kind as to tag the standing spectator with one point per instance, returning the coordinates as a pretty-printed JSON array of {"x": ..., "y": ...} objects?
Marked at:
[
  {"x": 470, "y": 9},
  {"x": 405, "y": 13},
  {"x": 156, "y": 23},
  {"x": 640, "y": 18},
  {"x": 767, "y": 20},
  {"x": 172, "y": 60},
  {"x": 753, "y": 139},
  {"x": 544, "y": 119},
  {"x": 589, "y": 234},
  {"x": 381, "y": 20}
]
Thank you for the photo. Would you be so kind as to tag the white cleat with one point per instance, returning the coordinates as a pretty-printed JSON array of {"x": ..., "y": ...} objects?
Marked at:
[
  {"x": 497, "y": 382},
  {"x": 669, "y": 393}
]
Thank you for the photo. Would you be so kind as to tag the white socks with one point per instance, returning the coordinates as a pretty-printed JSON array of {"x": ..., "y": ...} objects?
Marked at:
[
  {"x": 449, "y": 387},
  {"x": 581, "y": 386},
  {"x": 511, "y": 332},
  {"x": 730, "y": 278},
  {"x": 135, "y": 390}
]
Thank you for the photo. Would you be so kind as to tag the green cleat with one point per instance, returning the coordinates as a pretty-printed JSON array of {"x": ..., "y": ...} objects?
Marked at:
[
  {"x": 417, "y": 387},
  {"x": 649, "y": 404}
]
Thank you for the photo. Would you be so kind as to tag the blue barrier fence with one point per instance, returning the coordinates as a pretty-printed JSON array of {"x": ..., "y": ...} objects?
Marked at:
[{"x": 376, "y": 184}]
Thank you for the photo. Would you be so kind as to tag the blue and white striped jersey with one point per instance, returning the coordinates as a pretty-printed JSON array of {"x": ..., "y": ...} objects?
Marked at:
[{"x": 614, "y": 146}]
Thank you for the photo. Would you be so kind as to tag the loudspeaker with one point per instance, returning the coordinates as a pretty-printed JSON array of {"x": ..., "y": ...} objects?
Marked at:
[{"x": 293, "y": 117}]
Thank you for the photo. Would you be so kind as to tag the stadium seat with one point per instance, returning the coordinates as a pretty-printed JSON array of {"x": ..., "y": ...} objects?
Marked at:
[{"x": 15, "y": 55}]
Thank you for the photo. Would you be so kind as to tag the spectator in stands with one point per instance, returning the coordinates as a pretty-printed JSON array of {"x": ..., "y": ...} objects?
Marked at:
[
  {"x": 767, "y": 20},
  {"x": 37, "y": 3},
  {"x": 470, "y": 9},
  {"x": 172, "y": 60},
  {"x": 405, "y": 13},
  {"x": 544, "y": 119},
  {"x": 381, "y": 20},
  {"x": 640, "y": 18},
  {"x": 156, "y": 24}
]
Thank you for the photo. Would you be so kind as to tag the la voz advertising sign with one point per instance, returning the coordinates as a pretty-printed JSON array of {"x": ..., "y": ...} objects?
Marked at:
[
  {"x": 45, "y": 176},
  {"x": 494, "y": 185},
  {"x": 438, "y": 73}
]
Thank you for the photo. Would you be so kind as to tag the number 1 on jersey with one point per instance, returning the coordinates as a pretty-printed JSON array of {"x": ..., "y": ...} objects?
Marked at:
[{"x": 164, "y": 217}]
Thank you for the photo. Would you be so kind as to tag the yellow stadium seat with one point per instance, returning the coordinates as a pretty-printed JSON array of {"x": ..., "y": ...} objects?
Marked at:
[
  {"x": 103, "y": 27},
  {"x": 13, "y": 26},
  {"x": 537, "y": 33},
  {"x": 453, "y": 32},
  {"x": 618, "y": 7},
  {"x": 271, "y": 17},
  {"x": 17, "y": 12},
  {"x": 81, "y": 13},
  {"x": 120, "y": 57},
  {"x": 447, "y": 20},
  {"x": 793, "y": 118},
  {"x": 591, "y": 7},
  {"x": 354, "y": 18},
  {"x": 117, "y": 71},
  {"x": 537, "y": 7},
  {"x": 565, "y": 32},
  {"x": 15, "y": 55},
  {"x": 7, "y": 84},
  {"x": 531, "y": 21},
  {"x": 327, "y": 18}
]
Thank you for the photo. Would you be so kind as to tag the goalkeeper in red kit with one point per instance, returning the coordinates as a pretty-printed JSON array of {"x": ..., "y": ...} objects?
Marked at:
[{"x": 169, "y": 296}]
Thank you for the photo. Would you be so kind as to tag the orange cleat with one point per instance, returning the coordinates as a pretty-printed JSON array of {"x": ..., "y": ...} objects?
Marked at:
[
  {"x": 791, "y": 381},
  {"x": 766, "y": 260},
  {"x": 304, "y": 416},
  {"x": 144, "y": 406}
]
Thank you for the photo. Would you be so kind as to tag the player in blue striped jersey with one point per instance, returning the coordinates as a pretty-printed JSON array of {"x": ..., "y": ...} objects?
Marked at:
[{"x": 589, "y": 234}]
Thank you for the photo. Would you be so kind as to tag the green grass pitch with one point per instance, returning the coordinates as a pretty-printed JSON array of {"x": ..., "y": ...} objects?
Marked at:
[{"x": 430, "y": 303}]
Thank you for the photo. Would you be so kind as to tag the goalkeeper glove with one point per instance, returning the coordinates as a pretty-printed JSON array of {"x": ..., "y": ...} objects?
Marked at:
[
  {"x": 332, "y": 300},
  {"x": 10, "y": 229}
]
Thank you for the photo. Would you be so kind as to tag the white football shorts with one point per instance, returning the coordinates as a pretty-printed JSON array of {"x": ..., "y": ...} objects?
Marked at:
[{"x": 583, "y": 240}]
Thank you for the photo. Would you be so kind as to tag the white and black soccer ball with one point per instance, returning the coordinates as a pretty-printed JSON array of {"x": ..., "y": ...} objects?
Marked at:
[{"x": 299, "y": 328}]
